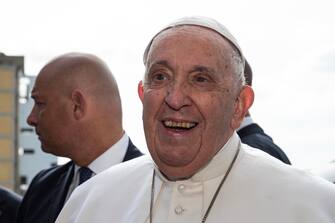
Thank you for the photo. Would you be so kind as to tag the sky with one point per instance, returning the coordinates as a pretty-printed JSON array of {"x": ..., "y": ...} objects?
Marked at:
[{"x": 290, "y": 45}]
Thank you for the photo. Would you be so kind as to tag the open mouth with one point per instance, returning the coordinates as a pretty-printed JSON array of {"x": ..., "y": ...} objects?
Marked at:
[{"x": 179, "y": 125}]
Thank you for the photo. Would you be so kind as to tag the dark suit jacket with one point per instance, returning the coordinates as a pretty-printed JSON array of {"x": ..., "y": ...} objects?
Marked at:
[
  {"x": 254, "y": 136},
  {"x": 47, "y": 192},
  {"x": 9, "y": 205}
]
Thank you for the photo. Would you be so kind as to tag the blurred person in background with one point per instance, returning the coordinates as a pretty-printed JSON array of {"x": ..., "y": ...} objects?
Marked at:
[
  {"x": 77, "y": 114},
  {"x": 252, "y": 134},
  {"x": 9, "y": 205}
]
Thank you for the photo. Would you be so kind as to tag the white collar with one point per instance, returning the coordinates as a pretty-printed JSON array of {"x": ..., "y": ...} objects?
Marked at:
[
  {"x": 218, "y": 165},
  {"x": 114, "y": 155}
]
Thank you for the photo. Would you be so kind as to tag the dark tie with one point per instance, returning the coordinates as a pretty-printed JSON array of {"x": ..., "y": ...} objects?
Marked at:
[{"x": 84, "y": 174}]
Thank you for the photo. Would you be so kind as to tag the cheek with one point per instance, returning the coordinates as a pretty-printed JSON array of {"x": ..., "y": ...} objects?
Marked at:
[
  {"x": 210, "y": 106},
  {"x": 62, "y": 118},
  {"x": 152, "y": 101},
  {"x": 45, "y": 117},
  {"x": 217, "y": 112}
]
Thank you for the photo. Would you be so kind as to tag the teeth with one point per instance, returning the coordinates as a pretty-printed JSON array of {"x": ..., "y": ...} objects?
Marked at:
[{"x": 185, "y": 125}]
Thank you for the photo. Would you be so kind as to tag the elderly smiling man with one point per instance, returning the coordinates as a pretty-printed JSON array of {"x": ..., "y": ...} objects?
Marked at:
[{"x": 194, "y": 98}]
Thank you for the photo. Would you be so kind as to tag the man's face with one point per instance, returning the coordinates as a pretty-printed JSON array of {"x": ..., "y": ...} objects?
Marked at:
[
  {"x": 50, "y": 115},
  {"x": 189, "y": 99}
]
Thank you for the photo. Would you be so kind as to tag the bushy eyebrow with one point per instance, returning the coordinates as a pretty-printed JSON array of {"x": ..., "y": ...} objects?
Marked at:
[
  {"x": 203, "y": 69},
  {"x": 160, "y": 63},
  {"x": 197, "y": 68}
]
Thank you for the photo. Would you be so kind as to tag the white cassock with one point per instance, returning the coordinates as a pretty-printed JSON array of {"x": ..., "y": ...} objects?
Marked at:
[{"x": 259, "y": 189}]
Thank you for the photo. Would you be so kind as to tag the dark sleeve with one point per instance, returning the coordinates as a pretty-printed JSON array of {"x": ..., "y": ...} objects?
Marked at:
[
  {"x": 267, "y": 145},
  {"x": 254, "y": 136},
  {"x": 9, "y": 205},
  {"x": 46, "y": 195},
  {"x": 26, "y": 202}
]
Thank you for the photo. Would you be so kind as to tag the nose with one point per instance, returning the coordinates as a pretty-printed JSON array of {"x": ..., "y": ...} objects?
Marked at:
[
  {"x": 178, "y": 96},
  {"x": 32, "y": 119}
]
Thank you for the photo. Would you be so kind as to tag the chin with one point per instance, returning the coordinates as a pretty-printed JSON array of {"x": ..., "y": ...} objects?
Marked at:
[
  {"x": 47, "y": 149},
  {"x": 174, "y": 161},
  {"x": 177, "y": 173},
  {"x": 176, "y": 169}
]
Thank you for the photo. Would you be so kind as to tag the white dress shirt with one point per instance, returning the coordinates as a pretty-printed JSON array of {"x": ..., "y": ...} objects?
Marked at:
[
  {"x": 259, "y": 189},
  {"x": 114, "y": 155}
]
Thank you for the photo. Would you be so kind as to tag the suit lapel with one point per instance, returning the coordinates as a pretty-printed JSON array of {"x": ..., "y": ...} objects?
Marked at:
[
  {"x": 60, "y": 192},
  {"x": 132, "y": 152},
  {"x": 64, "y": 180}
]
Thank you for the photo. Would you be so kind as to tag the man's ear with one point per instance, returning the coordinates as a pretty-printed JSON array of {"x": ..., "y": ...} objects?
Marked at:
[
  {"x": 140, "y": 90},
  {"x": 79, "y": 104},
  {"x": 242, "y": 105}
]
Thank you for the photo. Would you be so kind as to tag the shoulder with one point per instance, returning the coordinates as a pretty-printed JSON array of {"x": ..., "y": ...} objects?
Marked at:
[
  {"x": 48, "y": 178},
  {"x": 117, "y": 176},
  {"x": 97, "y": 195},
  {"x": 133, "y": 168},
  {"x": 254, "y": 136},
  {"x": 9, "y": 197},
  {"x": 51, "y": 173},
  {"x": 41, "y": 188},
  {"x": 9, "y": 205},
  {"x": 271, "y": 172},
  {"x": 278, "y": 189}
]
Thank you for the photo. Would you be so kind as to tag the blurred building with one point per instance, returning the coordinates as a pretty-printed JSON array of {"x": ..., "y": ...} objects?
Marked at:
[
  {"x": 10, "y": 70},
  {"x": 20, "y": 154}
]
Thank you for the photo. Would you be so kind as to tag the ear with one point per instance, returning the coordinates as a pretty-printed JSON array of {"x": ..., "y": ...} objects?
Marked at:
[
  {"x": 140, "y": 90},
  {"x": 79, "y": 104},
  {"x": 242, "y": 105}
]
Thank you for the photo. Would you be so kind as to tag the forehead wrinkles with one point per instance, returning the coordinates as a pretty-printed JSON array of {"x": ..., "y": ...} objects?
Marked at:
[{"x": 212, "y": 43}]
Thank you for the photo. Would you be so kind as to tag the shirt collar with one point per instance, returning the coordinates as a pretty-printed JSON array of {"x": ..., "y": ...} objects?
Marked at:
[{"x": 114, "y": 155}]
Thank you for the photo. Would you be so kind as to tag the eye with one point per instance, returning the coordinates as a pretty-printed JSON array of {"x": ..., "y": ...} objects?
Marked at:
[
  {"x": 157, "y": 79},
  {"x": 201, "y": 79}
]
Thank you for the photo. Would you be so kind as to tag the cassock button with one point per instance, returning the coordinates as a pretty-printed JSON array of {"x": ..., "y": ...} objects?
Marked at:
[
  {"x": 181, "y": 188},
  {"x": 179, "y": 210}
]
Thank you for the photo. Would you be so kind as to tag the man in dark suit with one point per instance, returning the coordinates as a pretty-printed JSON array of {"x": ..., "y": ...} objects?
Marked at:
[
  {"x": 253, "y": 135},
  {"x": 9, "y": 205},
  {"x": 77, "y": 114}
]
